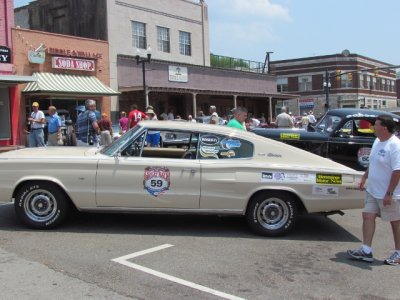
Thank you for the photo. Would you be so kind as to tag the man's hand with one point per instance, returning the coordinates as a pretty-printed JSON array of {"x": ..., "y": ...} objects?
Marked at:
[{"x": 387, "y": 200}]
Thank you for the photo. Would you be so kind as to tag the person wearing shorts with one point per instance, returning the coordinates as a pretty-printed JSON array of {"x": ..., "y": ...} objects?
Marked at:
[{"x": 383, "y": 190}]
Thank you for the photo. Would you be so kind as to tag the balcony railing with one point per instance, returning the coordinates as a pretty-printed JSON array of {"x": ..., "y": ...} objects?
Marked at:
[{"x": 226, "y": 62}]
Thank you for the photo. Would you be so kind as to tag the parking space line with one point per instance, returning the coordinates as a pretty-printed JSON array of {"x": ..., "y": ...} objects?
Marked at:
[{"x": 123, "y": 260}]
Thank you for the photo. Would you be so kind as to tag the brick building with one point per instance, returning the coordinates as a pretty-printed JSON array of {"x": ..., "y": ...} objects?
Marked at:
[{"x": 353, "y": 81}]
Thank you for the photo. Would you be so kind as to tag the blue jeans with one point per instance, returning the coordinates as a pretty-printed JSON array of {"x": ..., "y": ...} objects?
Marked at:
[{"x": 36, "y": 138}]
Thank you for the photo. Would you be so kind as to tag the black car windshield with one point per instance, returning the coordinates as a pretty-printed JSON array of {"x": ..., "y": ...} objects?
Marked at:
[
  {"x": 121, "y": 142},
  {"x": 328, "y": 123}
]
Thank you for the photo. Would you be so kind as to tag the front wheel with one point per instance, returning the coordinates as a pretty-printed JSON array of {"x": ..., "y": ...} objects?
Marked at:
[
  {"x": 272, "y": 213},
  {"x": 41, "y": 205}
]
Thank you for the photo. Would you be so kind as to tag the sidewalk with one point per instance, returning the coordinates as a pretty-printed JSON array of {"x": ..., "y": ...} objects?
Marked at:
[{"x": 22, "y": 279}]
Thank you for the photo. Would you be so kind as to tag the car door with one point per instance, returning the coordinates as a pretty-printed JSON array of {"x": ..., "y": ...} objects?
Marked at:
[
  {"x": 163, "y": 180},
  {"x": 351, "y": 144}
]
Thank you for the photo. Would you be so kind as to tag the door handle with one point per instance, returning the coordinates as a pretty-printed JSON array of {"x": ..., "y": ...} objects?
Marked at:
[{"x": 189, "y": 170}]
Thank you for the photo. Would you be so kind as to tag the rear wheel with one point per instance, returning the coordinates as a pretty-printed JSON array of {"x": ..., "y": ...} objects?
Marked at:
[
  {"x": 272, "y": 213},
  {"x": 41, "y": 205}
]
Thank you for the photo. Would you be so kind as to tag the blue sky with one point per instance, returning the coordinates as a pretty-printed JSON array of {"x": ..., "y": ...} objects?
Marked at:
[{"x": 301, "y": 28}]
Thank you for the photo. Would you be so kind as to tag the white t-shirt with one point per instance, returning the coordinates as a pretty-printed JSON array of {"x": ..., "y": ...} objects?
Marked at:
[
  {"x": 383, "y": 160},
  {"x": 37, "y": 116}
]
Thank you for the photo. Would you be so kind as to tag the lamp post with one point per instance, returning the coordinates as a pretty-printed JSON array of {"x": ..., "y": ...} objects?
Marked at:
[
  {"x": 143, "y": 61},
  {"x": 327, "y": 86}
]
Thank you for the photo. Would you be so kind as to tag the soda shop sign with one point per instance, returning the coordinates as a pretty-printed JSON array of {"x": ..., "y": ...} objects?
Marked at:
[{"x": 73, "y": 63}]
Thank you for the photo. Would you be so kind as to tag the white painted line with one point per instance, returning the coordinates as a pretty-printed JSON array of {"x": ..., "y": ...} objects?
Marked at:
[{"x": 123, "y": 261}]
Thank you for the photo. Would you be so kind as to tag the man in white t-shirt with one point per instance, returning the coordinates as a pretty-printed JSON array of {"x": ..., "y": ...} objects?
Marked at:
[
  {"x": 383, "y": 190},
  {"x": 37, "y": 121},
  {"x": 214, "y": 115}
]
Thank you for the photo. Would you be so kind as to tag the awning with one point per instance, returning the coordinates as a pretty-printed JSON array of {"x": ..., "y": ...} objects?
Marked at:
[
  {"x": 10, "y": 80},
  {"x": 62, "y": 84}
]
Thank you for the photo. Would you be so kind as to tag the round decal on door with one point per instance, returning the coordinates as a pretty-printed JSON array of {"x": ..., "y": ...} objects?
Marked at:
[
  {"x": 156, "y": 180},
  {"x": 363, "y": 156}
]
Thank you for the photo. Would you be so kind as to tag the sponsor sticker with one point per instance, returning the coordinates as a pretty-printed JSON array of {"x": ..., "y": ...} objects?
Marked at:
[
  {"x": 275, "y": 177},
  {"x": 157, "y": 180},
  {"x": 363, "y": 156},
  {"x": 289, "y": 136},
  {"x": 329, "y": 178},
  {"x": 229, "y": 153},
  {"x": 230, "y": 143},
  {"x": 325, "y": 190},
  {"x": 209, "y": 140}
]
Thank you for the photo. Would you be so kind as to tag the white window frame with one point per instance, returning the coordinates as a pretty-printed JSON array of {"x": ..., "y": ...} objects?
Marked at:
[
  {"x": 163, "y": 39},
  {"x": 185, "y": 43},
  {"x": 139, "y": 39},
  {"x": 282, "y": 84},
  {"x": 305, "y": 83}
]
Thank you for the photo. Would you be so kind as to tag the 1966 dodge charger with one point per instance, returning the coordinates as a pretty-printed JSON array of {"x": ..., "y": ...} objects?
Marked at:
[
  {"x": 219, "y": 171},
  {"x": 343, "y": 135}
]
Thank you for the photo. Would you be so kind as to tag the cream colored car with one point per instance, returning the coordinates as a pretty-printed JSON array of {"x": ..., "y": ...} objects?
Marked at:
[{"x": 220, "y": 170}]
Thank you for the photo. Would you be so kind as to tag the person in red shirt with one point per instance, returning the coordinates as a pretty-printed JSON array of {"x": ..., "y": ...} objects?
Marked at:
[{"x": 135, "y": 116}]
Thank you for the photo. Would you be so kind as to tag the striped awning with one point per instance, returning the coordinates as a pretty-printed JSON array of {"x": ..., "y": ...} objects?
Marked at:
[{"x": 49, "y": 83}]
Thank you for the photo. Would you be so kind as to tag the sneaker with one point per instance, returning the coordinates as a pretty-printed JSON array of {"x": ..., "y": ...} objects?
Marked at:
[
  {"x": 359, "y": 254},
  {"x": 393, "y": 260}
]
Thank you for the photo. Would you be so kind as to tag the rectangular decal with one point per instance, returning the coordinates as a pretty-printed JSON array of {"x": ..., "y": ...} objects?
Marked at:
[
  {"x": 329, "y": 178},
  {"x": 277, "y": 177},
  {"x": 325, "y": 190},
  {"x": 289, "y": 136}
]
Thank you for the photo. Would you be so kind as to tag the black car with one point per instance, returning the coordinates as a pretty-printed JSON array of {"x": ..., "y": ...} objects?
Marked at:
[{"x": 344, "y": 135}]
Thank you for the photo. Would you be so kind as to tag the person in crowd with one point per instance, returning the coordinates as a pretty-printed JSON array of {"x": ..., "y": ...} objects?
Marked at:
[
  {"x": 311, "y": 117},
  {"x": 239, "y": 118},
  {"x": 383, "y": 190},
  {"x": 87, "y": 126},
  {"x": 135, "y": 116},
  {"x": 305, "y": 120},
  {"x": 262, "y": 118},
  {"x": 153, "y": 137},
  {"x": 123, "y": 123},
  {"x": 36, "y": 121},
  {"x": 190, "y": 119},
  {"x": 283, "y": 120},
  {"x": 54, "y": 128},
  {"x": 293, "y": 118},
  {"x": 253, "y": 122},
  {"x": 106, "y": 131},
  {"x": 214, "y": 115},
  {"x": 201, "y": 113},
  {"x": 171, "y": 115},
  {"x": 164, "y": 116}
]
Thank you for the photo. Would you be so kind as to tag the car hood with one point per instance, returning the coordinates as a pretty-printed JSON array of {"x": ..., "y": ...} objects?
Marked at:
[
  {"x": 49, "y": 152},
  {"x": 290, "y": 134}
]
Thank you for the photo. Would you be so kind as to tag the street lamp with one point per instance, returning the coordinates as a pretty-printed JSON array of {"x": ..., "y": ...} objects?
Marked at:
[
  {"x": 143, "y": 61},
  {"x": 327, "y": 86}
]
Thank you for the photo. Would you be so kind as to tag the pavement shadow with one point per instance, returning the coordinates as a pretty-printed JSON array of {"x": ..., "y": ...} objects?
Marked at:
[{"x": 309, "y": 227}]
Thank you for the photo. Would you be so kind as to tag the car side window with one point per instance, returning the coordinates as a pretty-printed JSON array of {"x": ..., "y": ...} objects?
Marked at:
[
  {"x": 213, "y": 146},
  {"x": 135, "y": 147}
]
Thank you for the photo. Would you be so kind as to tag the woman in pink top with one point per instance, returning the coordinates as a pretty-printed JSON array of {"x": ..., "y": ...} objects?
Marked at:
[{"x": 123, "y": 123}]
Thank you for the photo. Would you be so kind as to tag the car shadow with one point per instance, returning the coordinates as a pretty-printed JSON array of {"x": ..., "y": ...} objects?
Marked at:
[{"x": 309, "y": 227}]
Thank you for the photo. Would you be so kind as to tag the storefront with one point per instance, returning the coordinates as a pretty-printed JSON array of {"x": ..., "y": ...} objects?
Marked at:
[{"x": 65, "y": 70}]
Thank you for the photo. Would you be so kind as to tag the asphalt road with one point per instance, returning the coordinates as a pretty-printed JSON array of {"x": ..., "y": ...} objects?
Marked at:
[{"x": 198, "y": 257}]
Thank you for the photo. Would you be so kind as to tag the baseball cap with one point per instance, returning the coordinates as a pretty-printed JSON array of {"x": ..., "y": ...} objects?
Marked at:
[{"x": 35, "y": 104}]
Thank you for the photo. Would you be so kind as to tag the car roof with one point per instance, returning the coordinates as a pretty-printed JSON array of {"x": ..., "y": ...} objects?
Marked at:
[{"x": 345, "y": 112}]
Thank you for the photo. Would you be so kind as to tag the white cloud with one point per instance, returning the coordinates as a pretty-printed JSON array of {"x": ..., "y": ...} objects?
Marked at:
[{"x": 260, "y": 8}]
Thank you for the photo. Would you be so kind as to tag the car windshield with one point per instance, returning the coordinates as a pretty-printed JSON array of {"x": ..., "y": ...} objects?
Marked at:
[
  {"x": 120, "y": 143},
  {"x": 328, "y": 123}
]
